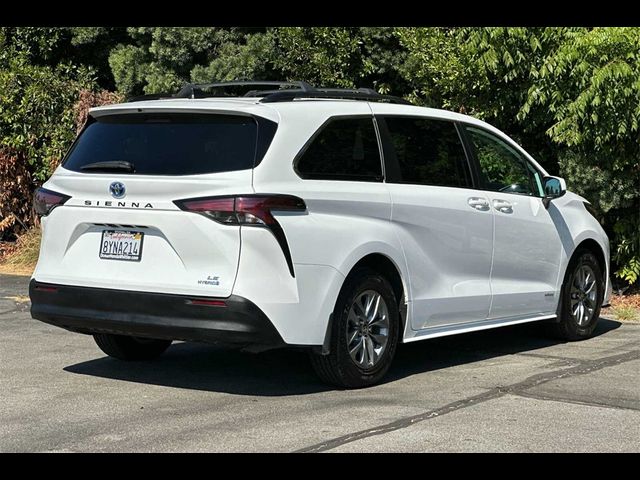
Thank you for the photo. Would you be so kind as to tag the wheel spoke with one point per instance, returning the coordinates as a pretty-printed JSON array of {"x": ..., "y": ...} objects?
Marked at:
[
  {"x": 365, "y": 353},
  {"x": 376, "y": 305},
  {"x": 380, "y": 339},
  {"x": 357, "y": 348},
  {"x": 367, "y": 300},
  {"x": 589, "y": 288},
  {"x": 353, "y": 336},
  {"x": 371, "y": 354},
  {"x": 357, "y": 309},
  {"x": 381, "y": 320},
  {"x": 575, "y": 309}
]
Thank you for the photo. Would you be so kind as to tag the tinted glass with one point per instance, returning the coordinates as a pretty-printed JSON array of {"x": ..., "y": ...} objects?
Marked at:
[
  {"x": 429, "y": 152},
  {"x": 345, "y": 149},
  {"x": 162, "y": 144},
  {"x": 502, "y": 168}
]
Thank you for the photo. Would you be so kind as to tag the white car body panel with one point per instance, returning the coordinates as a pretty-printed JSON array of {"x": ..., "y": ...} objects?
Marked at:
[
  {"x": 527, "y": 234},
  {"x": 461, "y": 269},
  {"x": 448, "y": 248}
]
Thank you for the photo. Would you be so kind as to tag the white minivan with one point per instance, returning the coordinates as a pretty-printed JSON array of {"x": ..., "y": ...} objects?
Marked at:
[{"x": 340, "y": 221}]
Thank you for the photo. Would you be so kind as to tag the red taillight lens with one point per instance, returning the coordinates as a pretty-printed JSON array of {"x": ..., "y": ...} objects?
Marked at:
[
  {"x": 46, "y": 200},
  {"x": 221, "y": 209},
  {"x": 42, "y": 288},
  {"x": 257, "y": 210},
  {"x": 207, "y": 303},
  {"x": 248, "y": 210},
  {"x": 243, "y": 209}
]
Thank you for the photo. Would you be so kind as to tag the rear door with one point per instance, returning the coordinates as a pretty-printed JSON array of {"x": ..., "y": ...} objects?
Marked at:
[
  {"x": 444, "y": 224},
  {"x": 121, "y": 228}
]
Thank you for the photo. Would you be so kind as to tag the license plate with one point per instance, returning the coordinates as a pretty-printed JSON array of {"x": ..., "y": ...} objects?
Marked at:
[{"x": 120, "y": 245}]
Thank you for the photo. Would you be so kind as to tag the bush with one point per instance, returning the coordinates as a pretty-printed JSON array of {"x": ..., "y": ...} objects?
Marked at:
[
  {"x": 590, "y": 86},
  {"x": 41, "y": 109},
  {"x": 15, "y": 188}
]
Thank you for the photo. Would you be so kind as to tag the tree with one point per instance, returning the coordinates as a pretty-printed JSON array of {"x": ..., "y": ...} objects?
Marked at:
[
  {"x": 570, "y": 96},
  {"x": 162, "y": 59},
  {"x": 346, "y": 57},
  {"x": 590, "y": 85}
]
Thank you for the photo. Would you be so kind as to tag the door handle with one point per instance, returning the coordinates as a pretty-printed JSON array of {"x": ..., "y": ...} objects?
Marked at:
[
  {"x": 503, "y": 206},
  {"x": 479, "y": 203}
]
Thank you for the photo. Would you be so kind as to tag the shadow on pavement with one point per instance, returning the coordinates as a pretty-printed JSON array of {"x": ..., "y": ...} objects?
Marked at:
[{"x": 288, "y": 372}]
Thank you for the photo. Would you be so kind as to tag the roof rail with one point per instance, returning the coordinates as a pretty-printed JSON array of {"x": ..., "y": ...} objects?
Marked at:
[
  {"x": 150, "y": 96},
  {"x": 285, "y": 91},
  {"x": 196, "y": 90},
  {"x": 365, "y": 94}
]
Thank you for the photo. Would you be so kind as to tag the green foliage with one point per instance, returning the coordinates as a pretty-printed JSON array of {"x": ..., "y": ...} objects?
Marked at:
[
  {"x": 570, "y": 96},
  {"x": 161, "y": 59},
  {"x": 627, "y": 247},
  {"x": 346, "y": 57},
  {"x": 40, "y": 45},
  {"x": 590, "y": 85},
  {"x": 435, "y": 66},
  {"x": 247, "y": 60},
  {"x": 36, "y": 118}
]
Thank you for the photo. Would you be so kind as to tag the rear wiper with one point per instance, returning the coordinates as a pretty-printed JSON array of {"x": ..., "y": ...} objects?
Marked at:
[{"x": 111, "y": 165}]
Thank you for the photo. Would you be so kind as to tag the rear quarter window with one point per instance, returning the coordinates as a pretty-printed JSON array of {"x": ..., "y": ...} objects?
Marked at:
[
  {"x": 343, "y": 149},
  {"x": 172, "y": 144}
]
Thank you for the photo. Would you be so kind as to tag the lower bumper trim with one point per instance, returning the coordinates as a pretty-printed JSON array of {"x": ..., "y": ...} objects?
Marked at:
[{"x": 152, "y": 315}]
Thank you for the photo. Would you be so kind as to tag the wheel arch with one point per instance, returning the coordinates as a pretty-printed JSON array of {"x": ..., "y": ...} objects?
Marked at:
[
  {"x": 594, "y": 247},
  {"x": 385, "y": 265}
]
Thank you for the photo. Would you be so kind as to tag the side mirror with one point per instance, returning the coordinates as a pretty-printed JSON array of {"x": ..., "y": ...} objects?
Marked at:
[{"x": 554, "y": 187}]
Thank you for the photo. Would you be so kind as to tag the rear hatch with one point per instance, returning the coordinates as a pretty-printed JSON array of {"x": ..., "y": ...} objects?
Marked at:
[{"x": 121, "y": 229}]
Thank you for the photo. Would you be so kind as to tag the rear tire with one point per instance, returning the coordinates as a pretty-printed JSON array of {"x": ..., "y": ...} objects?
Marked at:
[
  {"x": 128, "y": 348},
  {"x": 364, "y": 334},
  {"x": 581, "y": 298}
]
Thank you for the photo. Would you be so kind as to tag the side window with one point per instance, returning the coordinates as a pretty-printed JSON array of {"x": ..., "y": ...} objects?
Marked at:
[
  {"x": 429, "y": 152},
  {"x": 502, "y": 168},
  {"x": 345, "y": 149}
]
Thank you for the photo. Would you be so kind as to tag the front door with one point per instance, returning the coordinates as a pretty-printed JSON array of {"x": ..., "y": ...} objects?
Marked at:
[{"x": 527, "y": 247}]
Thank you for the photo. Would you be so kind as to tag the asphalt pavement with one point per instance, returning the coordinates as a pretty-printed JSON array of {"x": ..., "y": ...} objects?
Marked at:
[{"x": 505, "y": 390}]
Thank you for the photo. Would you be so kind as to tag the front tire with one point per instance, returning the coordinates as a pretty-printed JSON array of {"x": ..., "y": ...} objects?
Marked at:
[
  {"x": 581, "y": 299},
  {"x": 128, "y": 348},
  {"x": 364, "y": 335}
]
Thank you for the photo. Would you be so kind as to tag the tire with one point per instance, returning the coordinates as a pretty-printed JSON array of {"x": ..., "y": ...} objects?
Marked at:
[
  {"x": 339, "y": 368},
  {"x": 130, "y": 348},
  {"x": 569, "y": 325}
]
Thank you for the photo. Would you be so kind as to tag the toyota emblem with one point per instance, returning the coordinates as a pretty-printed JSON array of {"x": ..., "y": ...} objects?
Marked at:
[{"x": 117, "y": 189}]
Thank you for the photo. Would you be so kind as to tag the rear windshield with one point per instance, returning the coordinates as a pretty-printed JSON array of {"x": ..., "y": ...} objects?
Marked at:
[{"x": 170, "y": 144}]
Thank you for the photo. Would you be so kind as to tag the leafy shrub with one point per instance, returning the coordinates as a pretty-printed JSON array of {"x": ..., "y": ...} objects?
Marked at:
[
  {"x": 15, "y": 187},
  {"x": 590, "y": 85},
  {"x": 40, "y": 110}
]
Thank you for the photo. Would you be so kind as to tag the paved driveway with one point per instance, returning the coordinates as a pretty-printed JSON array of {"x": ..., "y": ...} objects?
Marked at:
[{"x": 503, "y": 390}]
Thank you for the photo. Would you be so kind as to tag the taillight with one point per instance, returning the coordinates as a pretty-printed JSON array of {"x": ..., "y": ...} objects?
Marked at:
[
  {"x": 249, "y": 210},
  {"x": 46, "y": 200},
  {"x": 243, "y": 209}
]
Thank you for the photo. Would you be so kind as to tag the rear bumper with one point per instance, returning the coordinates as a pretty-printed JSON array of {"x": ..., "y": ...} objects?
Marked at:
[{"x": 152, "y": 315}]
